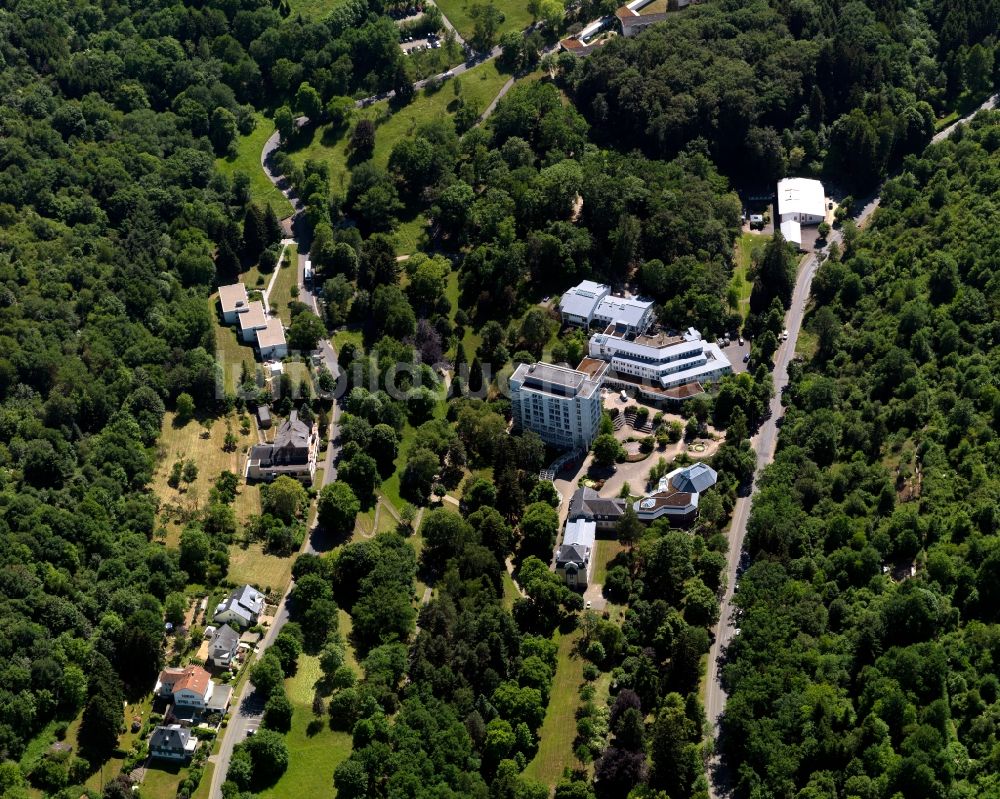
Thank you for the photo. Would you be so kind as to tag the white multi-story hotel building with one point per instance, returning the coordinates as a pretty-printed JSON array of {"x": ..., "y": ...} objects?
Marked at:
[
  {"x": 666, "y": 362},
  {"x": 562, "y": 405}
]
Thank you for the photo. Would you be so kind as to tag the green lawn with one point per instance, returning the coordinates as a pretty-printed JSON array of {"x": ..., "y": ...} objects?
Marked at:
[
  {"x": 247, "y": 160},
  {"x": 411, "y": 235},
  {"x": 286, "y": 280},
  {"x": 515, "y": 12},
  {"x": 253, "y": 565},
  {"x": 314, "y": 9},
  {"x": 555, "y": 739},
  {"x": 471, "y": 340},
  {"x": 345, "y": 336},
  {"x": 606, "y": 550},
  {"x": 311, "y": 758},
  {"x": 478, "y": 86},
  {"x": 162, "y": 779},
  {"x": 510, "y": 592},
  {"x": 741, "y": 271}
]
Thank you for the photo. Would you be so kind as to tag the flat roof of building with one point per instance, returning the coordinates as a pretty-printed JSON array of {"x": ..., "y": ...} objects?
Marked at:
[
  {"x": 559, "y": 381},
  {"x": 592, "y": 366},
  {"x": 253, "y": 317},
  {"x": 272, "y": 335},
  {"x": 623, "y": 309},
  {"x": 233, "y": 297},
  {"x": 801, "y": 196}
]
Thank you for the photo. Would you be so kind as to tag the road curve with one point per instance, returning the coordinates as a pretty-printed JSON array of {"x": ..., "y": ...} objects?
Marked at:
[
  {"x": 248, "y": 708},
  {"x": 764, "y": 444}
]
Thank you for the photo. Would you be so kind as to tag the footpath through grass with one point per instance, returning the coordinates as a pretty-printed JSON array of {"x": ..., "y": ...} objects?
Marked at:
[
  {"x": 287, "y": 279},
  {"x": 555, "y": 739},
  {"x": 329, "y": 145},
  {"x": 247, "y": 160},
  {"x": 459, "y": 12}
]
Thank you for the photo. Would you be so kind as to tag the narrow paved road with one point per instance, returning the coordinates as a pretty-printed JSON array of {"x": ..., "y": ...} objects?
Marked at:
[
  {"x": 248, "y": 708},
  {"x": 764, "y": 444}
]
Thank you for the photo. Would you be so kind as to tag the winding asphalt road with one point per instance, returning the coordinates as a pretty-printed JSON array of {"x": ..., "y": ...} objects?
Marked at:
[
  {"x": 249, "y": 707},
  {"x": 764, "y": 444}
]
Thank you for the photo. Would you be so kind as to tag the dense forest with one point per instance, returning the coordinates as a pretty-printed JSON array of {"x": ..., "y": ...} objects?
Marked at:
[
  {"x": 513, "y": 197},
  {"x": 866, "y": 662},
  {"x": 841, "y": 89},
  {"x": 113, "y": 221}
]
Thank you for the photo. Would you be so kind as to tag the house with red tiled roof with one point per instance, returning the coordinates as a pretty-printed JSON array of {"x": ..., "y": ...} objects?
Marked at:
[{"x": 190, "y": 686}]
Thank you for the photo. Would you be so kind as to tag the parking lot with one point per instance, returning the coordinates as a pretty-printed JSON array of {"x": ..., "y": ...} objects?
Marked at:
[{"x": 430, "y": 42}]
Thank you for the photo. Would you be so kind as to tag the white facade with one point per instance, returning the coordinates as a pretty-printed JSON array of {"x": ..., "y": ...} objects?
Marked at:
[
  {"x": 801, "y": 200},
  {"x": 251, "y": 321},
  {"x": 666, "y": 362},
  {"x": 792, "y": 231},
  {"x": 233, "y": 300},
  {"x": 579, "y": 303},
  {"x": 630, "y": 316},
  {"x": 563, "y": 406}
]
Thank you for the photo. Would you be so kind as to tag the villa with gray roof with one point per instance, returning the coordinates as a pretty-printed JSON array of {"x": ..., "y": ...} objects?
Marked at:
[
  {"x": 222, "y": 648},
  {"x": 172, "y": 742},
  {"x": 241, "y": 608},
  {"x": 292, "y": 453},
  {"x": 575, "y": 554}
]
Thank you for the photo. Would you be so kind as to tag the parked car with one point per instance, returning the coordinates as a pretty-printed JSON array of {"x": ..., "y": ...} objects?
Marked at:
[
  {"x": 741, "y": 341},
  {"x": 746, "y": 358},
  {"x": 784, "y": 334}
]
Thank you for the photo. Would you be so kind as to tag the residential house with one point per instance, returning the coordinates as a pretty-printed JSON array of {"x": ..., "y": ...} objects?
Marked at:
[
  {"x": 292, "y": 453},
  {"x": 190, "y": 686},
  {"x": 242, "y": 608},
  {"x": 587, "y": 504},
  {"x": 575, "y": 554},
  {"x": 252, "y": 321},
  {"x": 271, "y": 341},
  {"x": 562, "y": 405},
  {"x": 234, "y": 301},
  {"x": 222, "y": 648},
  {"x": 172, "y": 742}
]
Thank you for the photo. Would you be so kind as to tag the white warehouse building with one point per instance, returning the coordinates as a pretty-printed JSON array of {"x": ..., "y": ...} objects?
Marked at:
[
  {"x": 801, "y": 200},
  {"x": 561, "y": 405}
]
